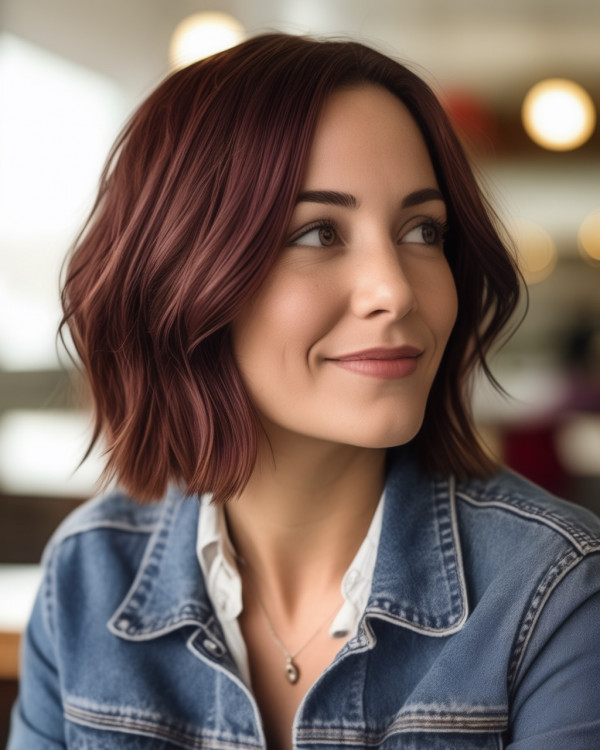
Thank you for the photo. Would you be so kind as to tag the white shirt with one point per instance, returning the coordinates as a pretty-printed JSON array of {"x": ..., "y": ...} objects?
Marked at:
[{"x": 224, "y": 584}]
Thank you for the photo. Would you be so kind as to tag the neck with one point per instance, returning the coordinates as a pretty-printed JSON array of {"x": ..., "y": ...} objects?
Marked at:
[{"x": 301, "y": 518}]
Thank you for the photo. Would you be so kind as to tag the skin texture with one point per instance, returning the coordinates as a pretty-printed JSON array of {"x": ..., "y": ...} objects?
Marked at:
[
  {"x": 363, "y": 270},
  {"x": 368, "y": 281}
]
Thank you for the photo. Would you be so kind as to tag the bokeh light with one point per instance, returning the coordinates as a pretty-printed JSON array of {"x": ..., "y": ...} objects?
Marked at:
[
  {"x": 201, "y": 35},
  {"x": 536, "y": 252},
  {"x": 558, "y": 114},
  {"x": 589, "y": 238}
]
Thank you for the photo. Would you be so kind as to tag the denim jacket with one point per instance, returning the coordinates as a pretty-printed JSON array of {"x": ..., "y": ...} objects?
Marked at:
[{"x": 482, "y": 631}]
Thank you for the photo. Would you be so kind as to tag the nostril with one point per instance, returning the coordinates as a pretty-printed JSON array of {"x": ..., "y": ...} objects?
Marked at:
[{"x": 382, "y": 311}]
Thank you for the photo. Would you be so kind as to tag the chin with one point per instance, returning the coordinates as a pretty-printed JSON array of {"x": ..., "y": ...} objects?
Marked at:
[{"x": 389, "y": 437}]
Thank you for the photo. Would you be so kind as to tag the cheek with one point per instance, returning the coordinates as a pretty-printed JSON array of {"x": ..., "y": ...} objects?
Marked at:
[
  {"x": 438, "y": 302},
  {"x": 284, "y": 320}
]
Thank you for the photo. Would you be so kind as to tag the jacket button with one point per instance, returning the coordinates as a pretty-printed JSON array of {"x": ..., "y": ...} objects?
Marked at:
[{"x": 214, "y": 648}]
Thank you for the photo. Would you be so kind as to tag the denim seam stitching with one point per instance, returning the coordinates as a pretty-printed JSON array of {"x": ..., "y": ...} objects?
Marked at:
[
  {"x": 573, "y": 533},
  {"x": 421, "y": 721},
  {"x": 143, "y": 583},
  {"x": 148, "y": 728},
  {"x": 546, "y": 587},
  {"x": 452, "y": 621},
  {"x": 451, "y": 549},
  {"x": 214, "y": 663},
  {"x": 91, "y": 520}
]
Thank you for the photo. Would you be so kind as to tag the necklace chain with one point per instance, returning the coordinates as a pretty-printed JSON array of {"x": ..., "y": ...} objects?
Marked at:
[{"x": 292, "y": 672}]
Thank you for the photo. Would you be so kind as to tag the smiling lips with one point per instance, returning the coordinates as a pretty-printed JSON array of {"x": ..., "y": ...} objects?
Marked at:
[{"x": 387, "y": 363}]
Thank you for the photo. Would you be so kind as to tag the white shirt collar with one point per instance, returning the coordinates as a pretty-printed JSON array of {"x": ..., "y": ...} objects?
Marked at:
[{"x": 224, "y": 585}]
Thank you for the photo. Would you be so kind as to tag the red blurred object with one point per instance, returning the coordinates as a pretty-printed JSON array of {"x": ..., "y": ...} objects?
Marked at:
[
  {"x": 531, "y": 450},
  {"x": 473, "y": 119}
]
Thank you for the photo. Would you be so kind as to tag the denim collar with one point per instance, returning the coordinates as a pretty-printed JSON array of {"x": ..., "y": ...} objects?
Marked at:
[
  {"x": 168, "y": 591},
  {"x": 418, "y": 581}
]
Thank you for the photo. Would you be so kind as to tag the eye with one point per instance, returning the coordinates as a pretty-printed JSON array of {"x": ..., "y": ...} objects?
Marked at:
[
  {"x": 322, "y": 234},
  {"x": 428, "y": 232}
]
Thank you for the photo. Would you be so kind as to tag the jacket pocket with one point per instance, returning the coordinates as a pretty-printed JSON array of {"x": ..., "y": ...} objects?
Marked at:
[{"x": 93, "y": 726}]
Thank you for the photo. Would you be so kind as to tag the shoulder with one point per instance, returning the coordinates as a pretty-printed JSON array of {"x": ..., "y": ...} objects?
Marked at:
[
  {"x": 521, "y": 547},
  {"x": 521, "y": 509},
  {"x": 114, "y": 511},
  {"x": 118, "y": 511},
  {"x": 532, "y": 564},
  {"x": 115, "y": 526},
  {"x": 98, "y": 553}
]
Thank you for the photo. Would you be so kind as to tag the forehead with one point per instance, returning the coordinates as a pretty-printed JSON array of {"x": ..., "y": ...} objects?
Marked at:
[{"x": 364, "y": 132}]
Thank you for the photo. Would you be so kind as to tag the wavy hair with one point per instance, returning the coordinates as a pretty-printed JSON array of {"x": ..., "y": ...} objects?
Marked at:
[{"x": 192, "y": 211}]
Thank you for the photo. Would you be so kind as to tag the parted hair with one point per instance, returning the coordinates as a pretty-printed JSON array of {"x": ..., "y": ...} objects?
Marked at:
[{"x": 192, "y": 211}]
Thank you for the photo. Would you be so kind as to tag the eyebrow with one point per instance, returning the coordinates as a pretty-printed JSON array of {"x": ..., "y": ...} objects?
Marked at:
[
  {"x": 331, "y": 197},
  {"x": 334, "y": 198},
  {"x": 422, "y": 196}
]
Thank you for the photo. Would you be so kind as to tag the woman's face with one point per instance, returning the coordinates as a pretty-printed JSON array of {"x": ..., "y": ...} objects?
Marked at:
[{"x": 344, "y": 338}]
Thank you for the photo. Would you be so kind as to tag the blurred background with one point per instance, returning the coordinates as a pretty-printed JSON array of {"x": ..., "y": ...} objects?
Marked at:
[{"x": 72, "y": 70}]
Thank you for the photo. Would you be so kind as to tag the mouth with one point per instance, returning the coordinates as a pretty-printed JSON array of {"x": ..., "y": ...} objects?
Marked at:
[{"x": 381, "y": 362}]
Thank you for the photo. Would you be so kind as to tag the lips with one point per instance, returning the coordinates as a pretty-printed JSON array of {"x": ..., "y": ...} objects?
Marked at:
[{"x": 381, "y": 362}]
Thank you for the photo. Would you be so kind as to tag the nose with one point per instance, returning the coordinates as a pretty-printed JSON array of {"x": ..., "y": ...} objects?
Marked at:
[{"x": 381, "y": 285}]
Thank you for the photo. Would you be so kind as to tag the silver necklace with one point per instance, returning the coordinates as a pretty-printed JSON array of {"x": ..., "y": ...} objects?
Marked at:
[{"x": 292, "y": 672}]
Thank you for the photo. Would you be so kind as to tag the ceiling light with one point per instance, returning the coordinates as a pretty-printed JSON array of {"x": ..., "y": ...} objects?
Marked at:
[
  {"x": 201, "y": 35},
  {"x": 558, "y": 114}
]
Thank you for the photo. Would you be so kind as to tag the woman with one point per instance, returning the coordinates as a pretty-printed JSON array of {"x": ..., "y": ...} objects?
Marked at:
[{"x": 285, "y": 283}]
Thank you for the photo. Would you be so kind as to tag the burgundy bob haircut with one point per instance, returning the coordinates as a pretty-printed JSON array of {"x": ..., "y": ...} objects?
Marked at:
[{"x": 193, "y": 208}]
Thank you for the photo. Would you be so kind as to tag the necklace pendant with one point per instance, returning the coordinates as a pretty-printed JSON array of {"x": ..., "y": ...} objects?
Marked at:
[{"x": 291, "y": 671}]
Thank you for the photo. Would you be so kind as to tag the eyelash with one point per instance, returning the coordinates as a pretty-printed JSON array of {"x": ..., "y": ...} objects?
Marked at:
[
  {"x": 440, "y": 227},
  {"x": 328, "y": 224}
]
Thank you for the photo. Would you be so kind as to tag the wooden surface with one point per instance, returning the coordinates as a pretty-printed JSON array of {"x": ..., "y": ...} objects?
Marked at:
[
  {"x": 18, "y": 587},
  {"x": 9, "y": 655}
]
